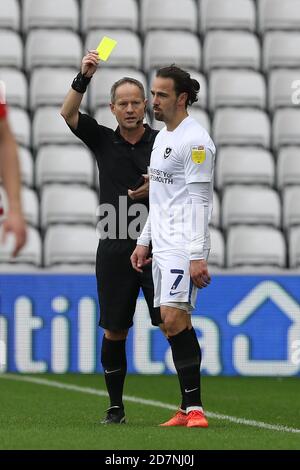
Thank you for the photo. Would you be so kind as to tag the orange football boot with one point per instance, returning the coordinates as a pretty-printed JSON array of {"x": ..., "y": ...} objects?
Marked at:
[
  {"x": 179, "y": 419},
  {"x": 196, "y": 419}
]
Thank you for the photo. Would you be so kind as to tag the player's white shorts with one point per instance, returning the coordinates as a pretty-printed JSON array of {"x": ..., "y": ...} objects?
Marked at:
[{"x": 171, "y": 279}]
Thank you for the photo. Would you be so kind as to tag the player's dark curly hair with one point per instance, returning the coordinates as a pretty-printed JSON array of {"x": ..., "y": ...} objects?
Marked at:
[{"x": 183, "y": 82}]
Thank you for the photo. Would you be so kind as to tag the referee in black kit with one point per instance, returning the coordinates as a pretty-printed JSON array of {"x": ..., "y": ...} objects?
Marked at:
[{"x": 122, "y": 157}]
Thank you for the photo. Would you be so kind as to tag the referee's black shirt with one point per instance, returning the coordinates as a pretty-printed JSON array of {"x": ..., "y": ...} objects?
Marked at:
[{"x": 120, "y": 163}]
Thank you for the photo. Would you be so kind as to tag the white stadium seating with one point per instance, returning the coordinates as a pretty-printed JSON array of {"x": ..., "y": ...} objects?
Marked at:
[
  {"x": 294, "y": 251},
  {"x": 71, "y": 244},
  {"x": 29, "y": 255},
  {"x": 68, "y": 204},
  {"x": 233, "y": 49},
  {"x": 250, "y": 205},
  {"x": 11, "y": 49},
  {"x": 288, "y": 167},
  {"x": 244, "y": 165},
  {"x": 49, "y": 86},
  {"x": 283, "y": 85},
  {"x": 229, "y": 14},
  {"x": 50, "y": 14},
  {"x": 162, "y": 48},
  {"x": 109, "y": 14},
  {"x": 278, "y": 14},
  {"x": 26, "y": 166},
  {"x": 291, "y": 207},
  {"x": 157, "y": 14},
  {"x": 281, "y": 49},
  {"x": 286, "y": 128},
  {"x": 49, "y": 127},
  {"x": 245, "y": 55},
  {"x": 236, "y": 88},
  {"x": 243, "y": 126},
  {"x": 10, "y": 14},
  {"x": 64, "y": 164},
  {"x": 256, "y": 246},
  {"x": 16, "y": 87},
  {"x": 20, "y": 125},
  {"x": 42, "y": 49}
]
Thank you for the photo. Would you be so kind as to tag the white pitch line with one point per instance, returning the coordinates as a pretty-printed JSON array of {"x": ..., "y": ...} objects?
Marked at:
[{"x": 143, "y": 401}]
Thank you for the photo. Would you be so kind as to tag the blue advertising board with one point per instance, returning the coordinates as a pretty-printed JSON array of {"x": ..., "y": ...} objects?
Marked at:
[{"x": 246, "y": 325}]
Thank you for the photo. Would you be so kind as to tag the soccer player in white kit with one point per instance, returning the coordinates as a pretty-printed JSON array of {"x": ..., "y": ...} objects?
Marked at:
[{"x": 181, "y": 194}]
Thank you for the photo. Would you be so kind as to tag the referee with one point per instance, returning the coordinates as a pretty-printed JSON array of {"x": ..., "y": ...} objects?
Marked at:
[{"x": 122, "y": 157}]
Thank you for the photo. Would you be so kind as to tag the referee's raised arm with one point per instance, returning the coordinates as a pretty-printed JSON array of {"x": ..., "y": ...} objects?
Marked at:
[{"x": 70, "y": 107}]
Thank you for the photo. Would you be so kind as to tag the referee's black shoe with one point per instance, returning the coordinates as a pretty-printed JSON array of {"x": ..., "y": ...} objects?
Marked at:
[{"x": 114, "y": 415}]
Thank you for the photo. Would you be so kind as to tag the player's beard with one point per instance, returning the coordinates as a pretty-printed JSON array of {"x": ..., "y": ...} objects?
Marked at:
[{"x": 158, "y": 115}]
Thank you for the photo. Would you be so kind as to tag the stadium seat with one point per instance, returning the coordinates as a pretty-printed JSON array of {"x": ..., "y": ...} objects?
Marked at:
[
  {"x": 286, "y": 128},
  {"x": 105, "y": 117},
  {"x": 294, "y": 247},
  {"x": 68, "y": 204},
  {"x": 244, "y": 165},
  {"x": 196, "y": 113},
  {"x": 109, "y": 14},
  {"x": 157, "y": 14},
  {"x": 291, "y": 207},
  {"x": 236, "y": 88},
  {"x": 288, "y": 167},
  {"x": 64, "y": 164},
  {"x": 128, "y": 52},
  {"x": 15, "y": 87},
  {"x": 11, "y": 49},
  {"x": 20, "y": 125},
  {"x": 49, "y": 127},
  {"x": 231, "y": 49},
  {"x": 217, "y": 252},
  {"x": 164, "y": 47},
  {"x": 231, "y": 14},
  {"x": 75, "y": 244},
  {"x": 49, "y": 86},
  {"x": 243, "y": 126},
  {"x": 30, "y": 204},
  {"x": 278, "y": 14},
  {"x": 10, "y": 14},
  {"x": 250, "y": 205},
  {"x": 26, "y": 166},
  {"x": 281, "y": 49},
  {"x": 255, "y": 246},
  {"x": 215, "y": 218},
  {"x": 30, "y": 254},
  {"x": 42, "y": 49},
  {"x": 280, "y": 89},
  {"x": 99, "y": 89},
  {"x": 50, "y": 14}
]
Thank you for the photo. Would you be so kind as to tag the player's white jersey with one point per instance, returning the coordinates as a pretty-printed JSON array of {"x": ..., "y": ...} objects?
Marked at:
[{"x": 185, "y": 155}]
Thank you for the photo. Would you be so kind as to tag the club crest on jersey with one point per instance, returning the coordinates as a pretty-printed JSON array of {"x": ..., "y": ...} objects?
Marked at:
[
  {"x": 167, "y": 152},
  {"x": 198, "y": 154}
]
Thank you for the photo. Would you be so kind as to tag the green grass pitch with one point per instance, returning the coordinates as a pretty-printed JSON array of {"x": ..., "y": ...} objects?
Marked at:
[{"x": 244, "y": 413}]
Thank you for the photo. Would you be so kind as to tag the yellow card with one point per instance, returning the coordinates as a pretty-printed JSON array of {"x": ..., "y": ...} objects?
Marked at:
[{"x": 105, "y": 47}]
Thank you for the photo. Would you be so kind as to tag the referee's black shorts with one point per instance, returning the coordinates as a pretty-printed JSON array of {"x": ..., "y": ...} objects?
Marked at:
[{"x": 119, "y": 285}]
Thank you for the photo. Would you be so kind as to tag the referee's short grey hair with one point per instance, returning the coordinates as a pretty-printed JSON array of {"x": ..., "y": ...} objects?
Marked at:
[{"x": 123, "y": 80}]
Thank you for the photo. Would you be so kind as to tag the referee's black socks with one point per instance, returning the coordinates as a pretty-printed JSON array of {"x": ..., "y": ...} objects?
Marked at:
[
  {"x": 187, "y": 359},
  {"x": 114, "y": 363}
]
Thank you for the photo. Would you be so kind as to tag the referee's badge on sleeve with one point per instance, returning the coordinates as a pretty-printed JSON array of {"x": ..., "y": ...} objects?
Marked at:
[{"x": 198, "y": 154}]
